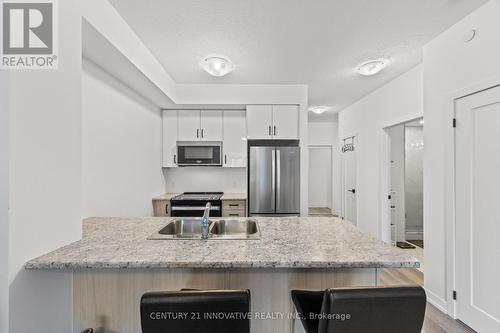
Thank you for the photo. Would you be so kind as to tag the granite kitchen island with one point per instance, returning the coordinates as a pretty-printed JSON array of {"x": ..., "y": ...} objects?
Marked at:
[{"x": 115, "y": 263}]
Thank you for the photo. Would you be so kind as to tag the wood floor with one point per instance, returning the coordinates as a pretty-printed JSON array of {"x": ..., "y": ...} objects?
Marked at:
[
  {"x": 320, "y": 212},
  {"x": 435, "y": 320}
]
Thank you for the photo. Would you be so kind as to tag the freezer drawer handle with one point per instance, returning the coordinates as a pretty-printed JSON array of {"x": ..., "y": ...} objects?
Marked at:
[{"x": 193, "y": 208}]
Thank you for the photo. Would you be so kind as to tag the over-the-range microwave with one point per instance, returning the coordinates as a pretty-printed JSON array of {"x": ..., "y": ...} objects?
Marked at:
[{"x": 199, "y": 153}]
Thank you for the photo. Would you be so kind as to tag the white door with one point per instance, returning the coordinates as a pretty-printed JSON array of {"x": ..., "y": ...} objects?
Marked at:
[
  {"x": 285, "y": 122},
  {"x": 211, "y": 125},
  {"x": 169, "y": 134},
  {"x": 477, "y": 163},
  {"x": 234, "y": 145},
  {"x": 189, "y": 125},
  {"x": 259, "y": 121},
  {"x": 349, "y": 186}
]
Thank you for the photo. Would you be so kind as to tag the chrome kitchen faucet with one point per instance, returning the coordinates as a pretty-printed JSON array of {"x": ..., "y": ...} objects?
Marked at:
[{"x": 205, "y": 221}]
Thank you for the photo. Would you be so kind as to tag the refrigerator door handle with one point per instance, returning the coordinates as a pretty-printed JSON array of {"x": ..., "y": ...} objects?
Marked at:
[
  {"x": 278, "y": 178},
  {"x": 273, "y": 178}
]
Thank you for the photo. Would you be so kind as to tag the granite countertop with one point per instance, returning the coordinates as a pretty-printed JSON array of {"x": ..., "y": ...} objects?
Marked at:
[
  {"x": 234, "y": 196},
  {"x": 165, "y": 196},
  {"x": 225, "y": 196},
  {"x": 289, "y": 242}
]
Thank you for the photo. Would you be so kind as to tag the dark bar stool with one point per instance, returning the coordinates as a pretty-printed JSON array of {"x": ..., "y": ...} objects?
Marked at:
[
  {"x": 374, "y": 310},
  {"x": 196, "y": 311}
]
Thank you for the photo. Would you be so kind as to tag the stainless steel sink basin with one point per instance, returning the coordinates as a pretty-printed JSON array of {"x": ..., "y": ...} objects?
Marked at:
[
  {"x": 190, "y": 228},
  {"x": 180, "y": 229},
  {"x": 235, "y": 229}
]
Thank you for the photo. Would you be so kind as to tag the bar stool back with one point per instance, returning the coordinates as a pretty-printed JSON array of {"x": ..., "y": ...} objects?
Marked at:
[
  {"x": 211, "y": 311},
  {"x": 374, "y": 310}
]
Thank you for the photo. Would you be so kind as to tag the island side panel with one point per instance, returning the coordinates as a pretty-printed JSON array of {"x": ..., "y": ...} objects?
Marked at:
[{"x": 108, "y": 300}]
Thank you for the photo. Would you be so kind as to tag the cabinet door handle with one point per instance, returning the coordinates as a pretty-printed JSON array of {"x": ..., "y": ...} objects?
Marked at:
[
  {"x": 234, "y": 205},
  {"x": 234, "y": 214},
  {"x": 270, "y": 130},
  {"x": 175, "y": 159},
  {"x": 197, "y": 133},
  {"x": 225, "y": 159},
  {"x": 166, "y": 209},
  {"x": 274, "y": 129},
  {"x": 202, "y": 133}
]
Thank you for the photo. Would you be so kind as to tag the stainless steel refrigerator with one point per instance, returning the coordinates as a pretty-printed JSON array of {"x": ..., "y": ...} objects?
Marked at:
[{"x": 274, "y": 177}]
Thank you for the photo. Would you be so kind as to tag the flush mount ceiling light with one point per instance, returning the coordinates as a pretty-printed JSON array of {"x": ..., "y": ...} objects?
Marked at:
[
  {"x": 371, "y": 67},
  {"x": 318, "y": 109},
  {"x": 217, "y": 65}
]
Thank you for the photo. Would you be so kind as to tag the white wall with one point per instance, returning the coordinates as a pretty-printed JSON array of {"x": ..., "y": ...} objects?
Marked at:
[
  {"x": 392, "y": 103},
  {"x": 397, "y": 157},
  {"x": 323, "y": 131},
  {"x": 450, "y": 65},
  {"x": 107, "y": 21},
  {"x": 4, "y": 201},
  {"x": 205, "y": 179},
  {"x": 121, "y": 143},
  {"x": 414, "y": 209},
  {"x": 45, "y": 180},
  {"x": 320, "y": 177}
]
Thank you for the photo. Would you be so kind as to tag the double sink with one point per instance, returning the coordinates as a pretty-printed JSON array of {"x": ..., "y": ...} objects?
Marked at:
[{"x": 190, "y": 228}]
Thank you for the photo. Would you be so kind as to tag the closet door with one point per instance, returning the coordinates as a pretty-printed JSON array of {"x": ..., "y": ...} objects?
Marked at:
[{"x": 477, "y": 186}]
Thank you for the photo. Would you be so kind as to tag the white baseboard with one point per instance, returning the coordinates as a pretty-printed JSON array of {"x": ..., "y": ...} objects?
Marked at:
[{"x": 437, "y": 301}]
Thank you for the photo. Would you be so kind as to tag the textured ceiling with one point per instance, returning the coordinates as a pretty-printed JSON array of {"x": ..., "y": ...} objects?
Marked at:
[{"x": 314, "y": 42}]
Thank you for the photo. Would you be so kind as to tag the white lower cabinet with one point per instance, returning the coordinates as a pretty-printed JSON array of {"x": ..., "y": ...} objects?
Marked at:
[
  {"x": 169, "y": 137},
  {"x": 234, "y": 144}
]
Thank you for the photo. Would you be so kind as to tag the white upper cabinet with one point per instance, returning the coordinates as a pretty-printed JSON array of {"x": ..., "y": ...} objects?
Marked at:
[
  {"x": 196, "y": 125},
  {"x": 234, "y": 145},
  {"x": 285, "y": 121},
  {"x": 189, "y": 125},
  {"x": 169, "y": 136},
  {"x": 273, "y": 121},
  {"x": 259, "y": 121},
  {"x": 211, "y": 125}
]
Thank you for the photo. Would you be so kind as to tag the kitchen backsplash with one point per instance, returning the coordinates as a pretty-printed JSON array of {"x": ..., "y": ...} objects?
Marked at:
[{"x": 205, "y": 179}]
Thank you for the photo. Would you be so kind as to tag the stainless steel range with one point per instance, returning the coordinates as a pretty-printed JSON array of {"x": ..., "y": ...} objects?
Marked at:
[{"x": 192, "y": 204}]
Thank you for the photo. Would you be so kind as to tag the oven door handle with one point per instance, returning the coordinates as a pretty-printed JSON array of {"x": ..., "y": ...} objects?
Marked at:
[{"x": 193, "y": 208}]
